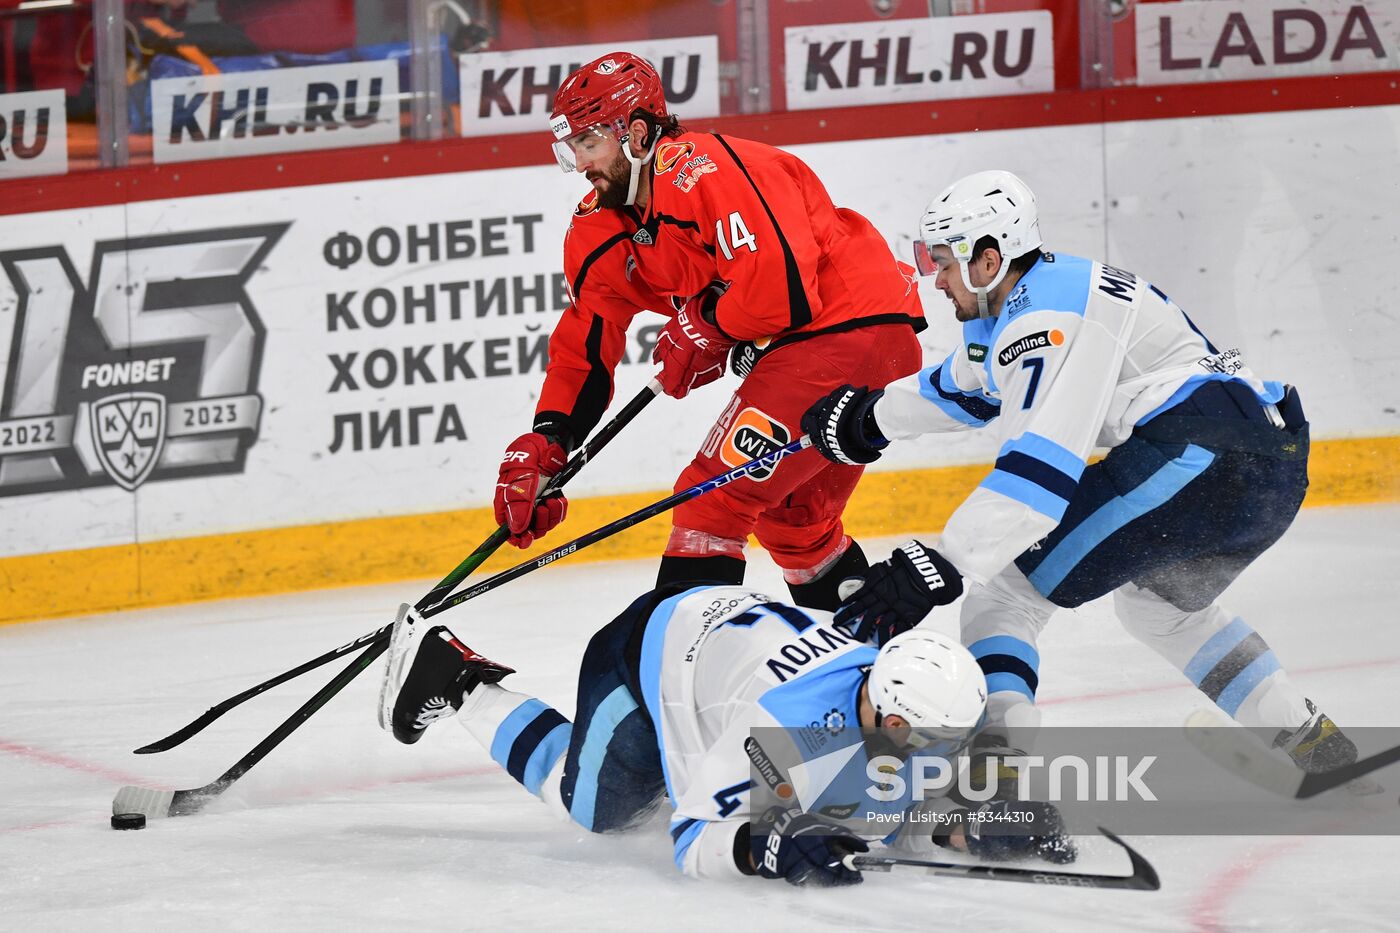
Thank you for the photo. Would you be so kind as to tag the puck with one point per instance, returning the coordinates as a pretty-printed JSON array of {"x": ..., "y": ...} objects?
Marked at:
[{"x": 128, "y": 821}]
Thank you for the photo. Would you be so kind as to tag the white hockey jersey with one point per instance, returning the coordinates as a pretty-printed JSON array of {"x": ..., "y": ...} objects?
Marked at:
[
  {"x": 1080, "y": 354},
  {"x": 720, "y": 661}
]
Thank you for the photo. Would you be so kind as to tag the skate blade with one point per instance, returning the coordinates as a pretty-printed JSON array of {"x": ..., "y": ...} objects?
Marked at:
[{"x": 400, "y": 641}]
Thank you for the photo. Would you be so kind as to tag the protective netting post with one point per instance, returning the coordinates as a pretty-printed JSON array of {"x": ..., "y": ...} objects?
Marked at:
[
  {"x": 425, "y": 69},
  {"x": 109, "y": 64}
]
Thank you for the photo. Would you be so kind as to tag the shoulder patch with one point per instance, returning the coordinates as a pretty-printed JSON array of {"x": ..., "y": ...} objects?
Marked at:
[
  {"x": 694, "y": 170},
  {"x": 1018, "y": 300},
  {"x": 589, "y": 204},
  {"x": 670, "y": 154},
  {"x": 977, "y": 352},
  {"x": 1037, "y": 341}
]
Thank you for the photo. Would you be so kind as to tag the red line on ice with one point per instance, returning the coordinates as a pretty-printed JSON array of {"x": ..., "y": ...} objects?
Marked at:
[
  {"x": 40, "y": 756},
  {"x": 1208, "y": 912}
]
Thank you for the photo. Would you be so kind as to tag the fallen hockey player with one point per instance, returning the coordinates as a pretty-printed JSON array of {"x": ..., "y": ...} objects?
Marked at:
[{"x": 670, "y": 694}]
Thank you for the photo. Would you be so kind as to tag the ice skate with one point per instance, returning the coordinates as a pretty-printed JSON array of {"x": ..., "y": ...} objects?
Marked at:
[
  {"x": 1319, "y": 745},
  {"x": 428, "y": 674}
]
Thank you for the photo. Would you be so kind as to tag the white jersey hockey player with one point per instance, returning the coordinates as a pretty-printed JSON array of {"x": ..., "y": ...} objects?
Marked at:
[
  {"x": 1207, "y": 467},
  {"x": 676, "y": 699}
]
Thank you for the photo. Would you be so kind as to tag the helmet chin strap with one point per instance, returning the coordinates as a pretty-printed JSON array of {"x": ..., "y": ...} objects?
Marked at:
[
  {"x": 984, "y": 310},
  {"x": 636, "y": 164}
]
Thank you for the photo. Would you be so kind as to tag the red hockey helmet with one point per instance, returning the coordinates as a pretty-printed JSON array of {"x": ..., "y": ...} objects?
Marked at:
[{"x": 605, "y": 93}]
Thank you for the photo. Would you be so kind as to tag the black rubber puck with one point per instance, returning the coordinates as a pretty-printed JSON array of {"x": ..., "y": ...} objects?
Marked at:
[{"x": 129, "y": 821}]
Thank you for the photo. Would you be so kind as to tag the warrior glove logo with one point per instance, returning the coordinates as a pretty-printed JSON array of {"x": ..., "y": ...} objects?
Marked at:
[
  {"x": 920, "y": 559},
  {"x": 146, "y": 371}
]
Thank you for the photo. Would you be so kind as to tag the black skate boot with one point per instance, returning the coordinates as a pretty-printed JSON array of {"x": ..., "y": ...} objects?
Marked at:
[
  {"x": 428, "y": 674},
  {"x": 1317, "y": 745}
]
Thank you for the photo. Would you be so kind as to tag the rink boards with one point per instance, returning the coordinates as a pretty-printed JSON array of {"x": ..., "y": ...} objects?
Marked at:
[{"x": 303, "y": 387}]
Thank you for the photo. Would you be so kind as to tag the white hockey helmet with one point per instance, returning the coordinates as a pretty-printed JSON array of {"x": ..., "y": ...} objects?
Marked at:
[
  {"x": 993, "y": 203},
  {"x": 935, "y": 684}
]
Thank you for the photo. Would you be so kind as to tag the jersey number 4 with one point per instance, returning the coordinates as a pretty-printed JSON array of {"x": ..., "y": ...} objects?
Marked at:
[{"x": 739, "y": 235}]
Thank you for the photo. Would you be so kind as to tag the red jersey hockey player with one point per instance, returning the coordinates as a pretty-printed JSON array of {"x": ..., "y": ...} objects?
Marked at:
[{"x": 734, "y": 241}]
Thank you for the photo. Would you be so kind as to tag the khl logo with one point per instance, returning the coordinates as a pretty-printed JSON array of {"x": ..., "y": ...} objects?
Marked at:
[{"x": 146, "y": 371}]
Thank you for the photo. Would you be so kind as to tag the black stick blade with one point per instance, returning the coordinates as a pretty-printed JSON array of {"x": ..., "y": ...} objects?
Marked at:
[
  {"x": 181, "y": 735},
  {"x": 1144, "y": 876}
]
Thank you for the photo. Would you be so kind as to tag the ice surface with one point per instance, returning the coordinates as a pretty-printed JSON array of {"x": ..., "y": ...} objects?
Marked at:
[{"x": 343, "y": 829}]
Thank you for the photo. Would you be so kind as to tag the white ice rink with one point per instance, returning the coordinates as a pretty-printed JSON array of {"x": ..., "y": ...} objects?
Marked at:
[{"x": 341, "y": 828}]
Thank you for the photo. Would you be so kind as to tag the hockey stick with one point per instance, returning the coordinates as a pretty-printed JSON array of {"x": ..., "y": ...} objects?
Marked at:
[
  {"x": 1249, "y": 759},
  {"x": 433, "y": 596},
  {"x": 160, "y": 803},
  {"x": 155, "y": 803},
  {"x": 758, "y": 464},
  {"x": 1143, "y": 877},
  {"x": 556, "y": 482}
]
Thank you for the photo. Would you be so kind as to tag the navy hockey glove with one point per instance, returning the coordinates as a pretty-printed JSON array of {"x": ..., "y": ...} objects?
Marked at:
[
  {"x": 805, "y": 850},
  {"x": 989, "y": 828},
  {"x": 895, "y": 595},
  {"x": 843, "y": 428}
]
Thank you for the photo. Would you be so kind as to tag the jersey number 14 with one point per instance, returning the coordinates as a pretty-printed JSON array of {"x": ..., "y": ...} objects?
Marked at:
[{"x": 739, "y": 235}]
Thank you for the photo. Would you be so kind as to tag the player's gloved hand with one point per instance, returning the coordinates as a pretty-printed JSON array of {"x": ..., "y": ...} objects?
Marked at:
[
  {"x": 894, "y": 595},
  {"x": 528, "y": 462},
  {"x": 805, "y": 850},
  {"x": 843, "y": 427},
  {"x": 989, "y": 828},
  {"x": 691, "y": 349}
]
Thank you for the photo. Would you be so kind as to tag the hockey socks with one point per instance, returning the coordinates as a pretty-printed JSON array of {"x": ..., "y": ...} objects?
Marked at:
[
  {"x": 524, "y": 735},
  {"x": 1224, "y": 657}
]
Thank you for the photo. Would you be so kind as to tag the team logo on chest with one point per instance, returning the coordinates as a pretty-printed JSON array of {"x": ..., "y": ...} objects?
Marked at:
[
  {"x": 670, "y": 154},
  {"x": 589, "y": 204}
]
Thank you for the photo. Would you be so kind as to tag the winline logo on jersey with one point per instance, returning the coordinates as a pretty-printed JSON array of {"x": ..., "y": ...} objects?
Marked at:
[
  {"x": 1148, "y": 780},
  {"x": 148, "y": 370},
  {"x": 1036, "y": 341},
  {"x": 750, "y": 435}
]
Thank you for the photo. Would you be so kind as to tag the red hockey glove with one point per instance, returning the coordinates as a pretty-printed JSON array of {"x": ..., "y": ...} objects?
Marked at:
[
  {"x": 692, "y": 350},
  {"x": 529, "y": 461}
]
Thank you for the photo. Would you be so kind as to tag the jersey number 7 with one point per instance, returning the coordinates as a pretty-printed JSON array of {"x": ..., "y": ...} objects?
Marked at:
[{"x": 1036, "y": 365}]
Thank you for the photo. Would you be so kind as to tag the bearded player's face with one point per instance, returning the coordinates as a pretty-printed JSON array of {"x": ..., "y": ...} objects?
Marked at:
[{"x": 600, "y": 158}]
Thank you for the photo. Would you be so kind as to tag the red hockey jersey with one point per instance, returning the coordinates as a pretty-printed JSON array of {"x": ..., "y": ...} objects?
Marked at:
[{"x": 724, "y": 209}]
